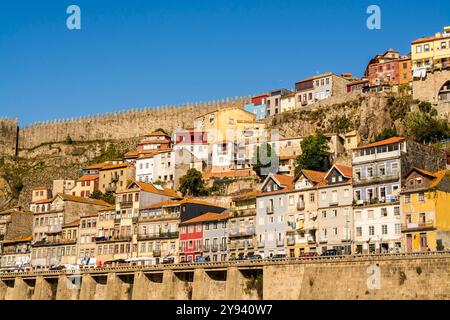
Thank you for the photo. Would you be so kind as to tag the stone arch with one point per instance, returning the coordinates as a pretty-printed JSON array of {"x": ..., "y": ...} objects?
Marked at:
[{"x": 444, "y": 91}]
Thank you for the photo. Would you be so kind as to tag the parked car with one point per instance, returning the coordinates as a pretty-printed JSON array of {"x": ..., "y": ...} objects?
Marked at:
[
  {"x": 200, "y": 259},
  {"x": 255, "y": 257},
  {"x": 309, "y": 254},
  {"x": 57, "y": 268},
  {"x": 168, "y": 260},
  {"x": 331, "y": 252},
  {"x": 278, "y": 256}
]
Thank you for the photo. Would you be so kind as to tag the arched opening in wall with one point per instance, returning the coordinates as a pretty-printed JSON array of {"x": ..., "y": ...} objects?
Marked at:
[{"x": 444, "y": 92}]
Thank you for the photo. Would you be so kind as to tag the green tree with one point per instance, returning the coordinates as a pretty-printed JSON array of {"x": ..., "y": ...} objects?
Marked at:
[
  {"x": 107, "y": 197},
  {"x": 192, "y": 184},
  {"x": 314, "y": 154},
  {"x": 340, "y": 124},
  {"x": 163, "y": 131},
  {"x": 425, "y": 128},
  {"x": 265, "y": 160},
  {"x": 386, "y": 134}
]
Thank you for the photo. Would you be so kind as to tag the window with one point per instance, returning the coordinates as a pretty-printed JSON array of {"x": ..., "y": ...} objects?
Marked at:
[
  {"x": 359, "y": 231},
  {"x": 335, "y": 231},
  {"x": 421, "y": 197},
  {"x": 324, "y": 214},
  {"x": 346, "y": 193},
  {"x": 396, "y": 211},
  {"x": 369, "y": 172},
  {"x": 418, "y": 49},
  {"x": 370, "y": 214},
  {"x": 323, "y": 195},
  {"x": 407, "y": 198},
  {"x": 371, "y": 230},
  {"x": 311, "y": 197},
  {"x": 384, "y": 229},
  {"x": 398, "y": 228},
  {"x": 426, "y": 48},
  {"x": 384, "y": 212},
  {"x": 324, "y": 233}
]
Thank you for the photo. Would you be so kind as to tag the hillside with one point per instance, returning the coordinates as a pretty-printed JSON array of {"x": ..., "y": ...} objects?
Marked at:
[{"x": 40, "y": 165}]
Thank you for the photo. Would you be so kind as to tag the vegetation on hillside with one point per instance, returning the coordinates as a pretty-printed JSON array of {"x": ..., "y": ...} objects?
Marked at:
[
  {"x": 107, "y": 197},
  {"x": 314, "y": 154},
  {"x": 192, "y": 184},
  {"x": 265, "y": 160},
  {"x": 111, "y": 153}
]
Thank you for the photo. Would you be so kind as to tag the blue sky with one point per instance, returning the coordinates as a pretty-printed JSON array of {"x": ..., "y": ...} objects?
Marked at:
[{"x": 139, "y": 53}]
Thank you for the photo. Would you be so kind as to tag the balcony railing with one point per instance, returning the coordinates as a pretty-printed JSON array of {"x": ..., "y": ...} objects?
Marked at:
[
  {"x": 290, "y": 241},
  {"x": 411, "y": 226},
  {"x": 160, "y": 235},
  {"x": 238, "y": 232},
  {"x": 375, "y": 179},
  {"x": 126, "y": 204},
  {"x": 45, "y": 243},
  {"x": 114, "y": 238},
  {"x": 300, "y": 205},
  {"x": 244, "y": 212}
]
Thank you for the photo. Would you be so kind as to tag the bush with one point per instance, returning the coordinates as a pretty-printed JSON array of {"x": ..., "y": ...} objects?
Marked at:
[
  {"x": 68, "y": 140},
  {"x": 192, "y": 184},
  {"x": 386, "y": 134}
]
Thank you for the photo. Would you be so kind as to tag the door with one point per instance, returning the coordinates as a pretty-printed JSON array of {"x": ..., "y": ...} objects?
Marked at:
[
  {"x": 423, "y": 242},
  {"x": 409, "y": 243}
]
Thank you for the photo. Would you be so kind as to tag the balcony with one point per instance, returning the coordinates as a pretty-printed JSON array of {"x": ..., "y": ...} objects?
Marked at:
[
  {"x": 300, "y": 205},
  {"x": 310, "y": 239},
  {"x": 56, "y": 228},
  {"x": 421, "y": 226},
  {"x": 47, "y": 243},
  {"x": 214, "y": 248},
  {"x": 156, "y": 253},
  {"x": 117, "y": 220},
  {"x": 290, "y": 241},
  {"x": 360, "y": 181},
  {"x": 114, "y": 238},
  {"x": 244, "y": 212},
  {"x": 244, "y": 232},
  {"x": 126, "y": 204},
  {"x": 160, "y": 235}
]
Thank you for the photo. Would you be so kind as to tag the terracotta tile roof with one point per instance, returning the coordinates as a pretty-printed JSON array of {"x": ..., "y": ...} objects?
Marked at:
[
  {"x": 68, "y": 197},
  {"x": 18, "y": 240},
  {"x": 382, "y": 143},
  {"x": 94, "y": 166},
  {"x": 427, "y": 39},
  {"x": 314, "y": 176},
  {"x": 148, "y": 187},
  {"x": 245, "y": 196},
  {"x": 43, "y": 201},
  {"x": 40, "y": 188},
  {"x": 88, "y": 177},
  {"x": 114, "y": 166},
  {"x": 229, "y": 174},
  {"x": 287, "y": 181},
  {"x": 436, "y": 176},
  {"x": 345, "y": 170},
  {"x": 170, "y": 203},
  {"x": 207, "y": 217},
  {"x": 157, "y": 134}
]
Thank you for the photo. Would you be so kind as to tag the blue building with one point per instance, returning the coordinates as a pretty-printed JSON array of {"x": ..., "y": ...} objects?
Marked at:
[{"x": 258, "y": 106}]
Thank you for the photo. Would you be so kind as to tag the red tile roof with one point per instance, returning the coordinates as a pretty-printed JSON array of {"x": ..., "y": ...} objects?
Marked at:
[
  {"x": 88, "y": 177},
  {"x": 382, "y": 143},
  {"x": 148, "y": 187},
  {"x": 229, "y": 174},
  {"x": 314, "y": 176},
  {"x": 207, "y": 217},
  {"x": 39, "y": 188},
  {"x": 345, "y": 170}
]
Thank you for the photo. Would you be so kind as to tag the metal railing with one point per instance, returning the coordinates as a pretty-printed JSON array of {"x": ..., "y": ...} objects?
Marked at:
[{"x": 239, "y": 263}]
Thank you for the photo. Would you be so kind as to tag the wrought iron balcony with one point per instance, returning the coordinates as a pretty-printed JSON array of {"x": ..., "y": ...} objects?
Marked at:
[
  {"x": 160, "y": 235},
  {"x": 418, "y": 226}
]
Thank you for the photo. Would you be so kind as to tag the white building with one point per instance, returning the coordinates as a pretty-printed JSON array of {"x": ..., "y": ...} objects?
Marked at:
[
  {"x": 378, "y": 228},
  {"x": 145, "y": 168}
]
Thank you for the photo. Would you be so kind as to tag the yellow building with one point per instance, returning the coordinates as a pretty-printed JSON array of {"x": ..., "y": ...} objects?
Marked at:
[
  {"x": 115, "y": 176},
  {"x": 425, "y": 203},
  {"x": 227, "y": 124},
  {"x": 431, "y": 51}
]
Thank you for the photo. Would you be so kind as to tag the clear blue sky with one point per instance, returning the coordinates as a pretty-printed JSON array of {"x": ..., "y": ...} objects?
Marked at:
[{"x": 148, "y": 53}]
